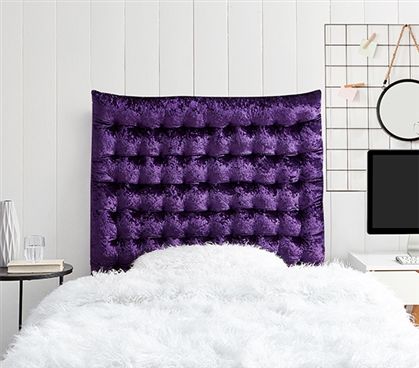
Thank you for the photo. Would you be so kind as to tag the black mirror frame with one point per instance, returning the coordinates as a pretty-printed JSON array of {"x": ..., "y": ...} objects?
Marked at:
[{"x": 379, "y": 104}]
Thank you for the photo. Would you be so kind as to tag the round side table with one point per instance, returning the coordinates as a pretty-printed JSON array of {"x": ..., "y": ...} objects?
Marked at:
[{"x": 5, "y": 276}]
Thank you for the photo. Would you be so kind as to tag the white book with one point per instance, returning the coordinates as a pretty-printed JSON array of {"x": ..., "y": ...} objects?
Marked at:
[{"x": 46, "y": 265}]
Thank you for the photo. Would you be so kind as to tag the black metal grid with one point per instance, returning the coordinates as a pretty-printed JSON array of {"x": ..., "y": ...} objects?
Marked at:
[{"x": 392, "y": 31}]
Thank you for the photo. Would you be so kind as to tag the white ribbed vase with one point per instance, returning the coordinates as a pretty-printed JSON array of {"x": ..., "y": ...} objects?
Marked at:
[{"x": 9, "y": 233}]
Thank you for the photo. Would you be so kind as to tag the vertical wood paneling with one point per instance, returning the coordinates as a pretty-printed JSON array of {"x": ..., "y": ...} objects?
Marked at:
[
  {"x": 39, "y": 133},
  {"x": 2, "y": 336},
  {"x": 176, "y": 47},
  {"x": 142, "y": 48},
  {"x": 11, "y": 108},
  {"x": 245, "y": 48},
  {"x": 347, "y": 221},
  {"x": 73, "y": 134},
  {"x": 408, "y": 11},
  {"x": 11, "y": 143},
  {"x": 107, "y": 46},
  {"x": 327, "y": 213},
  {"x": 210, "y": 47},
  {"x": 347, "y": 11},
  {"x": 279, "y": 48},
  {"x": 311, "y": 17},
  {"x": 39, "y": 116},
  {"x": 348, "y": 224},
  {"x": 382, "y": 243},
  {"x": 327, "y": 196},
  {"x": 383, "y": 11}
]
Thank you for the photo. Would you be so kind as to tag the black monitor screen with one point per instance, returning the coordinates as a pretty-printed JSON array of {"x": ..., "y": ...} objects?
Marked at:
[{"x": 393, "y": 191}]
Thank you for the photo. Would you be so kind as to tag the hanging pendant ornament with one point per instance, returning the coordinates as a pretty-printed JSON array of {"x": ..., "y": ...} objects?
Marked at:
[{"x": 397, "y": 106}]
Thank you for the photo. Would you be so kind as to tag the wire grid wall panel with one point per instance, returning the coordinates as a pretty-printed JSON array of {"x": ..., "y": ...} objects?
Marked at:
[{"x": 352, "y": 127}]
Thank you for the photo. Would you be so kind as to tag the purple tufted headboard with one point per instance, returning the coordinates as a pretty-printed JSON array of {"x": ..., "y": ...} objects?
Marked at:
[{"x": 186, "y": 170}]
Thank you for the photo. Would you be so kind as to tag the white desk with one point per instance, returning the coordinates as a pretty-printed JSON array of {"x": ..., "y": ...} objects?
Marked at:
[{"x": 402, "y": 280}]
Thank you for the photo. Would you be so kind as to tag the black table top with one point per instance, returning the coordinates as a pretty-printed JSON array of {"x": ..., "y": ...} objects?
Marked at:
[{"x": 5, "y": 276}]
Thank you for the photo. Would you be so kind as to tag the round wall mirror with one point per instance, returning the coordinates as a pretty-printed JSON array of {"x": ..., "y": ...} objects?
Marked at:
[{"x": 398, "y": 109}]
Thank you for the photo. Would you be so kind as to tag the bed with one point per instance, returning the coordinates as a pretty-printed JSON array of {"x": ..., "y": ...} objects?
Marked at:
[
  {"x": 218, "y": 306},
  {"x": 207, "y": 248}
]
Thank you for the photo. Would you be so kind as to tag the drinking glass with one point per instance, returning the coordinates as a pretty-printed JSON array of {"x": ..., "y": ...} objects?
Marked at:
[{"x": 34, "y": 248}]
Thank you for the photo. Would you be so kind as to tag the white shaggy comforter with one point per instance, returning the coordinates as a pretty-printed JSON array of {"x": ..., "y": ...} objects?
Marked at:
[{"x": 218, "y": 307}]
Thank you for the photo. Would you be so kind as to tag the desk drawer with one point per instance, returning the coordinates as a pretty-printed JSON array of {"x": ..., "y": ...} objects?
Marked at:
[{"x": 405, "y": 284}]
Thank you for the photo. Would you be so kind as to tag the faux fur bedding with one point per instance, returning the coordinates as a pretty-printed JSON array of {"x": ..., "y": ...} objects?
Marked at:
[{"x": 218, "y": 307}]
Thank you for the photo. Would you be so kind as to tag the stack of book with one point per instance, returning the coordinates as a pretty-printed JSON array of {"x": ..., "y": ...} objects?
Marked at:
[{"x": 46, "y": 265}]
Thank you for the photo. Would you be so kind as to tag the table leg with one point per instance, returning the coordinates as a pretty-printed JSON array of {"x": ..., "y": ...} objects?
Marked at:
[
  {"x": 20, "y": 302},
  {"x": 415, "y": 314},
  {"x": 61, "y": 280}
]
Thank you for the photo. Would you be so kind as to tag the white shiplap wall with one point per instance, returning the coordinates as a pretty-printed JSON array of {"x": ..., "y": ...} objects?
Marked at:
[{"x": 54, "y": 52}]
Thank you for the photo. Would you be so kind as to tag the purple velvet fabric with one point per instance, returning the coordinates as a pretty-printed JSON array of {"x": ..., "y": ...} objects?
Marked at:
[{"x": 187, "y": 170}]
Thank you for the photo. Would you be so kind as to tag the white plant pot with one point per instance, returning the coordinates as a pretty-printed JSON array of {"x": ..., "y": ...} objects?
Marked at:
[{"x": 9, "y": 233}]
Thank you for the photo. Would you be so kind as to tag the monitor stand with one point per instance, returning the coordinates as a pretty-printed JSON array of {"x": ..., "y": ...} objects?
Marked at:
[{"x": 413, "y": 245}]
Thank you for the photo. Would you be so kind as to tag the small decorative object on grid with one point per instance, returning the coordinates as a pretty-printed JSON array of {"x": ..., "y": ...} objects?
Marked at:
[
  {"x": 9, "y": 233},
  {"x": 355, "y": 85},
  {"x": 397, "y": 110},
  {"x": 368, "y": 46},
  {"x": 349, "y": 91}
]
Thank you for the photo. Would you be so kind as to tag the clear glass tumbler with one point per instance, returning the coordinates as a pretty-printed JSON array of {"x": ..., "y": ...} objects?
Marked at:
[{"x": 34, "y": 248}]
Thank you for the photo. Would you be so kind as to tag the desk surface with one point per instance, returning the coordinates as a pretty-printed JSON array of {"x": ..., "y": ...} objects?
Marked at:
[{"x": 378, "y": 262}]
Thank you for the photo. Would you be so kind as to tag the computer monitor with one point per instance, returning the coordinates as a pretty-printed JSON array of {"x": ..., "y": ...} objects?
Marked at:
[{"x": 393, "y": 194}]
